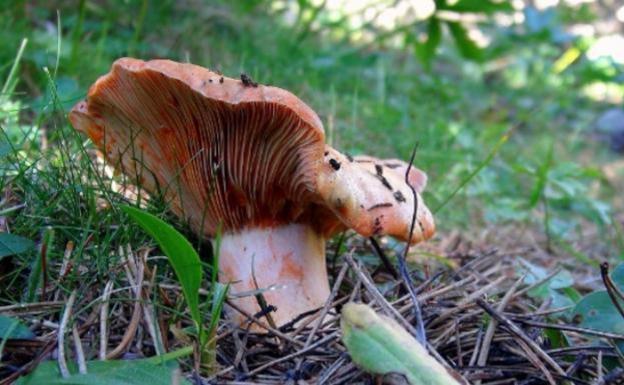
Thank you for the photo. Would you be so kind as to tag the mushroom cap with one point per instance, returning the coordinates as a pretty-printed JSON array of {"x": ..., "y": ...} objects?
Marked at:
[
  {"x": 218, "y": 149},
  {"x": 231, "y": 152},
  {"x": 372, "y": 196}
]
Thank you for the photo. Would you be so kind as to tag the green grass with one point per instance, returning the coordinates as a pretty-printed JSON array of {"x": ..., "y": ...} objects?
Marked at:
[{"x": 495, "y": 143}]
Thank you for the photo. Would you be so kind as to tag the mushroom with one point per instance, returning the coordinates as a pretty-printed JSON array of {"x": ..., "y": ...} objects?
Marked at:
[{"x": 251, "y": 158}]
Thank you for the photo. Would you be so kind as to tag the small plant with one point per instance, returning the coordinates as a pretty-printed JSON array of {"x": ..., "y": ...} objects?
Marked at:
[{"x": 188, "y": 269}]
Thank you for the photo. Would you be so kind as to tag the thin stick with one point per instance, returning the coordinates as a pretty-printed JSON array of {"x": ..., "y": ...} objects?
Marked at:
[
  {"x": 467, "y": 301},
  {"x": 62, "y": 362},
  {"x": 104, "y": 320},
  {"x": 252, "y": 319},
  {"x": 260, "y": 298},
  {"x": 31, "y": 308},
  {"x": 80, "y": 357},
  {"x": 148, "y": 306},
  {"x": 295, "y": 354},
  {"x": 612, "y": 289},
  {"x": 421, "y": 335},
  {"x": 534, "y": 359},
  {"x": 384, "y": 258},
  {"x": 328, "y": 303},
  {"x": 491, "y": 329},
  {"x": 515, "y": 330},
  {"x": 379, "y": 298},
  {"x": 136, "y": 316},
  {"x": 332, "y": 295},
  {"x": 69, "y": 248},
  {"x": 576, "y": 329}
]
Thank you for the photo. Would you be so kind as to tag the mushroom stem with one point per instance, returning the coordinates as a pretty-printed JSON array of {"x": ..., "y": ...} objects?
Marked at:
[{"x": 288, "y": 261}]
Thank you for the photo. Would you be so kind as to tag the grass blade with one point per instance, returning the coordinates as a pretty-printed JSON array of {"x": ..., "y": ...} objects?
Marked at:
[{"x": 474, "y": 173}]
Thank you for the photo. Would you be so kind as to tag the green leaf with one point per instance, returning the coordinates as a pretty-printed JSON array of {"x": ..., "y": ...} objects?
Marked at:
[
  {"x": 466, "y": 46},
  {"x": 541, "y": 177},
  {"x": 379, "y": 345},
  {"x": 128, "y": 372},
  {"x": 219, "y": 295},
  {"x": 426, "y": 50},
  {"x": 572, "y": 293},
  {"x": 182, "y": 256},
  {"x": 487, "y": 7},
  {"x": 11, "y": 328},
  {"x": 556, "y": 337},
  {"x": 617, "y": 276},
  {"x": 596, "y": 311},
  {"x": 11, "y": 244}
]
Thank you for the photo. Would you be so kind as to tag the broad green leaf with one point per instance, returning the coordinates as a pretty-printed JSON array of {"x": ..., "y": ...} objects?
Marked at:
[
  {"x": 182, "y": 256},
  {"x": 128, "y": 372},
  {"x": 11, "y": 244},
  {"x": 11, "y": 328},
  {"x": 379, "y": 345},
  {"x": 427, "y": 49},
  {"x": 466, "y": 46},
  {"x": 596, "y": 311}
]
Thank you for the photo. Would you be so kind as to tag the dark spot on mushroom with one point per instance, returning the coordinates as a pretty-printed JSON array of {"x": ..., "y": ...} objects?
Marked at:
[
  {"x": 326, "y": 153},
  {"x": 379, "y": 169},
  {"x": 380, "y": 205},
  {"x": 221, "y": 80},
  {"x": 209, "y": 80},
  {"x": 422, "y": 228},
  {"x": 385, "y": 182},
  {"x": 335, "y": 164},
  {"x": 203, "y": 83},
  {"x": 377, "y": 226},
  {"x": 398, "y": 195},
  {"x": 392, "y": 165},
  {"x": 247, "y": 81},
  {"x": 349, "y": 157}
]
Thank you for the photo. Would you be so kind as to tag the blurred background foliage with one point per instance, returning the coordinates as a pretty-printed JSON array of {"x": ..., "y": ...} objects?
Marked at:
[{"x": 529, "y": 93}]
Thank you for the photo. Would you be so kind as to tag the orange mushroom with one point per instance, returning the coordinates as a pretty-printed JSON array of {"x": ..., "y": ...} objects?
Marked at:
[{"x": 252, "y": 158}]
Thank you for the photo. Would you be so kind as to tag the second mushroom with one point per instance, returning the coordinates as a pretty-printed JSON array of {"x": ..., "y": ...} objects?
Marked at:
[{"x": 252, "y": 159}]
